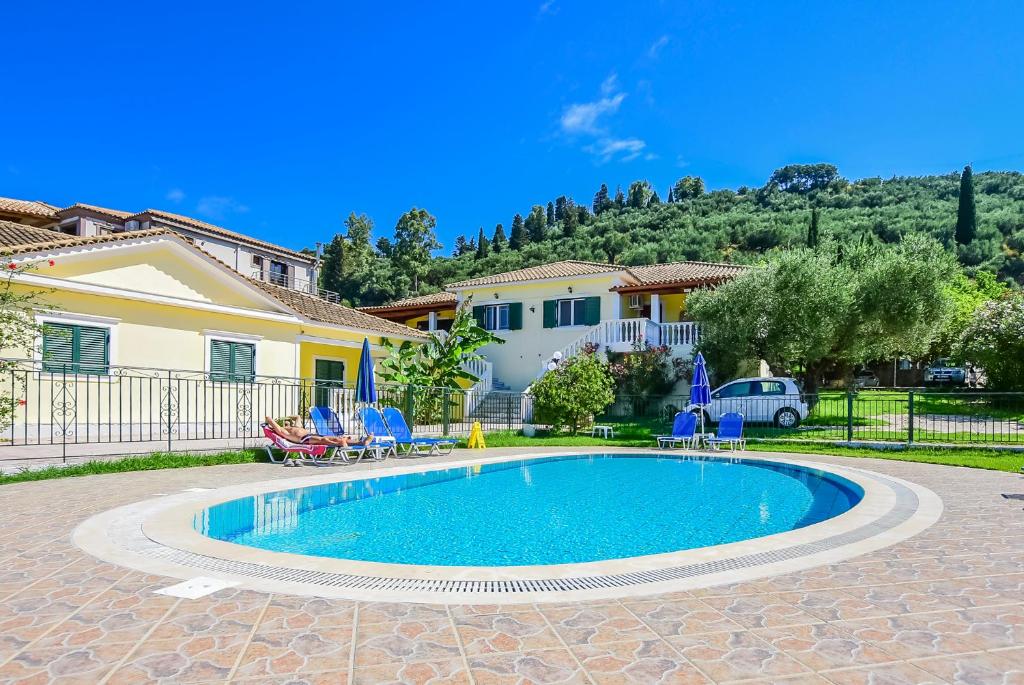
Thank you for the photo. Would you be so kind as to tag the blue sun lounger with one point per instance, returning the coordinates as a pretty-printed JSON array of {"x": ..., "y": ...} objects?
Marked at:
[
  {"x": 328, "y": 424},
  {"x": 684, "y": 429},
  {"x": 406, "y": 440},
  {"x": 730, "y": 432}
]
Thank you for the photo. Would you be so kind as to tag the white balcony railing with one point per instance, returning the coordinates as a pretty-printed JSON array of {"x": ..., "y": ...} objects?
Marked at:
[
  {"x": 294, "y": 283},
  {"x": 680, "y": 334}
]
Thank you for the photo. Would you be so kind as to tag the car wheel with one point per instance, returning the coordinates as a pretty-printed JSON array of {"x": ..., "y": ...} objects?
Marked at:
[{"x": 787, "y": 417}]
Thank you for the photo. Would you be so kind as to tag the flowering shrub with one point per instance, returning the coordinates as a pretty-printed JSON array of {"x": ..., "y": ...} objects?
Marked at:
[
  {"x": 576, "y": 390},
  {"x": 994, "y": 340},
  {"x": 646, "y": 372}
]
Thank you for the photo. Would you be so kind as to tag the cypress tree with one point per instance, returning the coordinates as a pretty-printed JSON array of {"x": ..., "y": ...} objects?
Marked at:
[
  {"x": 498, "y": 241},
  {"x": 570, "y": 220},
  {"x": 655, "y": 200},
  {"x": 620, "y": 199},
  {"x": 560, "y": 207},
  {"x": 670, "y": 198},
  {"x": 483, "y": 248},
  {"x": 601, "y": 200},
  {"x": 551, "y": 214},
  {"x": 812, "y": 230},
  {"x": 536, "y": 224},
  {"x": 518, "y": 238},
  {"x": 461, "y": 246},
  {"x": 966, "y": 211}
]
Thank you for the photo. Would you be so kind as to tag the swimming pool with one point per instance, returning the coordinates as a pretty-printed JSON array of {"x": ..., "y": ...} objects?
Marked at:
[{"x": 554, "y": 510}]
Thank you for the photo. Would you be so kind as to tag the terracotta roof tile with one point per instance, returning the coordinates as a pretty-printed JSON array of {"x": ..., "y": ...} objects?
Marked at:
[
  {"x": 564, "y": 269},
  {"x": 116, "y": 213},
  {"x": 696, "y": 273},
  {"x": 441, "y": 298},
  {"x": 20, "y": 239},
  {"x": 32, "y": 207},
  {"x": 218, "y": 230},
  {"x": 327, "y": 312}
]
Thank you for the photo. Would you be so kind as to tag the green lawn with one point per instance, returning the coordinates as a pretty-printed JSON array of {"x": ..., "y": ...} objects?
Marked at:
[
  {"x": 636, "y": 435},
  {"x": 148, "y": 462}
]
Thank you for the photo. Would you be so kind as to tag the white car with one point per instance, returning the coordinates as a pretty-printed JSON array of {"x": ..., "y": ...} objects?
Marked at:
[{"x": 776, "y": 401}]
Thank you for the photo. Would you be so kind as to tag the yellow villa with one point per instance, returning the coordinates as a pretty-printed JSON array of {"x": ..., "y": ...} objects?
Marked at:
[
  {"x": 120, "y": 308},
  {"x": 554, "y": 310}
]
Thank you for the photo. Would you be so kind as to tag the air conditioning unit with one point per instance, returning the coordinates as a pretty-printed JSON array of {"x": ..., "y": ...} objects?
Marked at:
[{"x": 636, "y": 301}]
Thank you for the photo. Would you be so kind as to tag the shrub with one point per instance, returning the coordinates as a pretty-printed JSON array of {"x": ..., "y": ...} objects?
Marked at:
[
  {"x": 574, "y": 391},
  {"x": 994, "y": 340},
  {"x": 646, "y": 373}
]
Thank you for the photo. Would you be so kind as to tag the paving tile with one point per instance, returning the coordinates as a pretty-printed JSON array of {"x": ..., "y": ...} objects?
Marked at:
[
  {"x": 736, "y": 655},
  {"x": 323, "y": 678},
  {"x": 597, "y": 625},
  {"x": 445, "y": 672},
  {"x": 229, "y": 613},
  {"x": 516, "y": 632},
  {"x": 277, "y": 654},
  {"x": 57, "y": 664},
  {"x": 984, "y": 668},
  {"x": 199, "y": 660},
  {"x": 898, "y": 673},
  {"x": 306, "y": 613},
  {"x": 681, "y": 617},
  {"x": 389, "y": 612},
  {"x": 907, "y": 637},
  {"x": 405, "y": 641},
  {"x": 822, "y": 646},
  {"x": 760, "y": 611},
  {"x": 832, "y": 605},
  {"x": 547, "y": 667},
  {"x": 637, "y": 661}
]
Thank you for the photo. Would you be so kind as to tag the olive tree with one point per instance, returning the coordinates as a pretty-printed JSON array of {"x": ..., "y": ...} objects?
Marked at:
[
  {"x": 805, "y": 309},
  {"x": 994, "y": 340}
]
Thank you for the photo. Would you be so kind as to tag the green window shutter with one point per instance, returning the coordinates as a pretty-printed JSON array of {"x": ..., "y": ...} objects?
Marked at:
[
  {"x": 220, "y": 360},
  {"x": 592, "y": 311},
  {"x": 58, "y": 348},
  {"x": 480, "y": 316},
  {"x": 243, "y": 357},
  {"x": 93, "y": 350},
  {"x": 549, "y": 313},
  {"x": 515, "y": 316}
]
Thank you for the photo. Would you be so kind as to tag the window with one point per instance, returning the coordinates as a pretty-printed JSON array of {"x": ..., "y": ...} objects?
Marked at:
[
  {"x": 496, "y": 317},
  {"x": 257, "y": 262},
  {"x": 734, "y": 390},
  {"x": 76, "y": 349},
  {"x": 769, "y": 388},
  {"x": 572, "y": 312},
  {"x": 232, "y": 361},
  {"x": 279, "y": 273}
]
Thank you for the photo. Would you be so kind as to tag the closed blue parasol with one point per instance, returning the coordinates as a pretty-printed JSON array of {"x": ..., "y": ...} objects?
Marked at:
[
  {"x": 700, "y": 388},
  {"x": 366, "y": 387}
]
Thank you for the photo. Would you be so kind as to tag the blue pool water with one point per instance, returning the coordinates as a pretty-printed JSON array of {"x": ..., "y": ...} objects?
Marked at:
[{"x": 552, "y": 510}]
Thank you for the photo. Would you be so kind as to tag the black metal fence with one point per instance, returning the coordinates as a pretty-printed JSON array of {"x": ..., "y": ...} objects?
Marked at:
[
  {"x": 51, "y": 414},
  {"x": 161, "y": 409},
  {"x": 907, "y": 416}
]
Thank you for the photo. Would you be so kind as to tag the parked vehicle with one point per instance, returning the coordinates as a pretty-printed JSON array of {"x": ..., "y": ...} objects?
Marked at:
[
  {"x": 942, "y": 372},
  {"x": 761, "y": 400},
  {"x": 865, "y": 378}
]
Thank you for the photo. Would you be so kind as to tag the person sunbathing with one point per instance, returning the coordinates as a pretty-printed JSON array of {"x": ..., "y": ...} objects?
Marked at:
[{"x": 297, "y": 434}]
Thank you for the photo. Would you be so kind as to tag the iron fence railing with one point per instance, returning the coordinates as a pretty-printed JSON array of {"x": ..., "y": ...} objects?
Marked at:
[
  {"x": 181, "y": 410},
  {"x": 187, "y": 410},
  {"x": 907, "y": 416}
]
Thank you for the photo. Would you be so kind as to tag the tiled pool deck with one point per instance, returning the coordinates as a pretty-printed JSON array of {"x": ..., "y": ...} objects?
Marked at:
[{"x": 945, "y": 606}]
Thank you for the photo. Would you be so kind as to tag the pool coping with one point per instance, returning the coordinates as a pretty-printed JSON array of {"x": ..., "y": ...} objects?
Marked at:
[{"x": 158, "y": 536}]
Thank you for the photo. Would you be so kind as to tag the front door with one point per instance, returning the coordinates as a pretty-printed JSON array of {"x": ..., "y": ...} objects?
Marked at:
[{"x": 328, "y": 374}]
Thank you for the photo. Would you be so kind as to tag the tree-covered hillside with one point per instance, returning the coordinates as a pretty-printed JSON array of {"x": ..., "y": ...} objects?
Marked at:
[{"x": 642, "y": 225}]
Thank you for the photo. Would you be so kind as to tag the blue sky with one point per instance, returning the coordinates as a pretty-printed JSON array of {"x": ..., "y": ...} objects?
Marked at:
[{"x": 278, "y": 120}]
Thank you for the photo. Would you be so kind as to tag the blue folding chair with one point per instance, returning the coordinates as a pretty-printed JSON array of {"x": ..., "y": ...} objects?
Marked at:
[
  {"x": 730, "y": 432},
  {"x": 684, "y": 430},
  {"x": 407, "y": 441}
]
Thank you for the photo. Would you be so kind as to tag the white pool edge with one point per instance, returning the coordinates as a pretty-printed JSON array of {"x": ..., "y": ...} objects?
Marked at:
[{"x": 157, "y": 536}]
